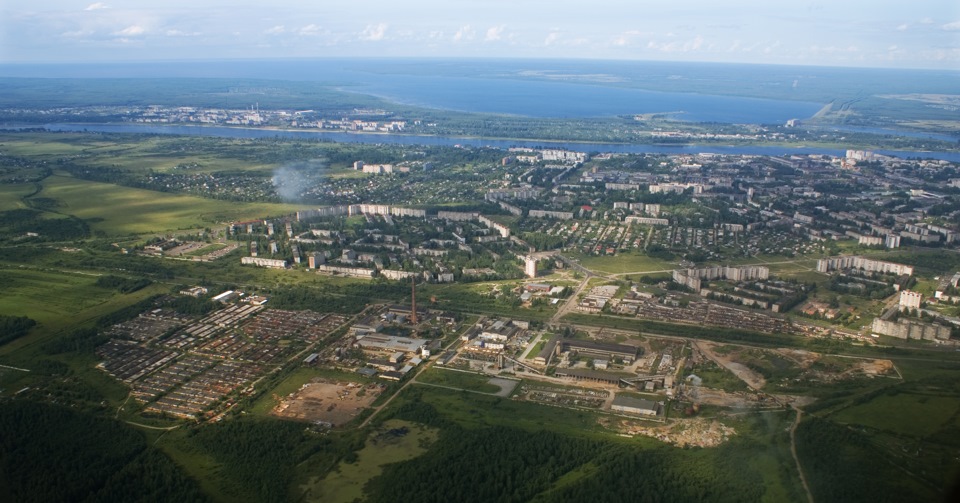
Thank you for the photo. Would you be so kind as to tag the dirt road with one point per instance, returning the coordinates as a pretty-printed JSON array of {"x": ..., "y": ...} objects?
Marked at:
[{"x": 753, "y": 379}]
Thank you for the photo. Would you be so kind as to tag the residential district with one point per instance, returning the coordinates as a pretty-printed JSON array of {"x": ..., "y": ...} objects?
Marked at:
[{"x": 800, "y": 245}]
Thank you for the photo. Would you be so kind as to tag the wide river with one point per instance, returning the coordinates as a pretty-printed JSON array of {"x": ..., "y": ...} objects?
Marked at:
[{"x": 399, "y": 139}]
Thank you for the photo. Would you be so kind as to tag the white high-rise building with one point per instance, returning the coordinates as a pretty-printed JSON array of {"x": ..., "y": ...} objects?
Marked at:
[{"x": 530, "y": 267}]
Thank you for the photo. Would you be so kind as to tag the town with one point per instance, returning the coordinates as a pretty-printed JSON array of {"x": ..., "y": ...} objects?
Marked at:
[
  {"x": 648, "y": 296},
  {"x": 733, "y": 242}
]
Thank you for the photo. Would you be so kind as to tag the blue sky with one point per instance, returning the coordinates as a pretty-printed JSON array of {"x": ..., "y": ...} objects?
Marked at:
[{"x": 876, "y": 33}]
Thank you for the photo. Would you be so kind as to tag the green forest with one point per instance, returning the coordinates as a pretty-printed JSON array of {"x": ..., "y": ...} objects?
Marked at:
[{"x": 52, "y": 453}]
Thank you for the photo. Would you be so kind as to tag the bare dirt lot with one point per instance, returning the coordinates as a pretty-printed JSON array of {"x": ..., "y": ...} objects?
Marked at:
[
  {"x": 696, "y": 432},
  {"x": 753, "y": 379},
  {"x": 329, "y": 401},
  {"x": 791, "y": 365}
]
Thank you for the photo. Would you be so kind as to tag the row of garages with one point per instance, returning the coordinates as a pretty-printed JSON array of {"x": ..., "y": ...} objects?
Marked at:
[
  {"x": 201, "y": 392},
  {"x": 128, "y": 362}
]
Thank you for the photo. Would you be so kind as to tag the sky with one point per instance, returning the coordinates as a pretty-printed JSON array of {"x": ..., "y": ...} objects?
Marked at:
[{"x": 858, "y": 33}]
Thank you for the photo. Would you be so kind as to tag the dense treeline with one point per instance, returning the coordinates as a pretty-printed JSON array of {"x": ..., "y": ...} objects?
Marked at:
[
  {"x": 842, "y": 465},
  {"x": 121, "y": 284},
  {"x": 664, "y": 474},
  {"x": 81, "y": 340},
  {"x": 14, "y": 327},
  {"x": 493, "y": 464},
  {"x": 51, "y": 453},
  {"x": 511, "y": 464},
  {"x": 126, "y": 313},
  {"x": 543, "y": 241},
  {"x": 193, "y": 306},
  {"x": 926, "y": 261},
  {"x": 19, "y": 222},
  {"x": 259, "y": 457},
  {"x": 345, "y": 299}
]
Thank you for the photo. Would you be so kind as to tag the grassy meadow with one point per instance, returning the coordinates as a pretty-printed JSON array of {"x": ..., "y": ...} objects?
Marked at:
[
  {"x": 59, "y": 300},
  {"x": 11, "y": 195},
  {"x": 393, "y": 441},
  {"x": 626, "y": 263},
  {"x": 456, "y": 379},
  {"x": 117, "y": 210}
]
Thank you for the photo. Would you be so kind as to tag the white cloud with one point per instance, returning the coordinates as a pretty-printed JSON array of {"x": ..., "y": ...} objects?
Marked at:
[
  {"x": 692, "y": 45},
  {"x": 178, "y": 33},
  {"x": 96, "y": 6},
  {"x": 954, "y": 26},
  {"x": 464, "y": 33},
  {"x": 695, "y": 44},
  {"x": 903, "y": 27},
  {"x": 374, "y": 32},
  {"x": 276, "y": 30},
  {"x": 551, "y": 38},
  {"x": 494, "y": 33},
  {"x": 131, "y": 31},
  {"x": 77, "y": 34},
  {"x": 308, "y": 30},
  {"x": 626, "y": 37}
]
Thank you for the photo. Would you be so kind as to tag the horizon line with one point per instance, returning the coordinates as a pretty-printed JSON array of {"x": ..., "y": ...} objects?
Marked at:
[{"x": 458, "y": 58}]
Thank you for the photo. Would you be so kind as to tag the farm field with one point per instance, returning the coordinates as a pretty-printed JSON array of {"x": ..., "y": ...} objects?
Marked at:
[
  {"x": 11, "y": 195},
  {"x": 58, "y": 300},
  {"x": 117, "y": 210}
]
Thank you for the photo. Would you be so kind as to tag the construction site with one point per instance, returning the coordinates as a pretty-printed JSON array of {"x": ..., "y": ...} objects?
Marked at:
[{"x": 327, "y": 402}]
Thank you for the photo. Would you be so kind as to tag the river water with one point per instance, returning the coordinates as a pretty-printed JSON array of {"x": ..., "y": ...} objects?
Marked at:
[{"x": 400, "y": 139}]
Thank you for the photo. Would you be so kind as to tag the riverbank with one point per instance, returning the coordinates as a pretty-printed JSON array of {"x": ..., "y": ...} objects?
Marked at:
[{"x": 405, "y": 139}]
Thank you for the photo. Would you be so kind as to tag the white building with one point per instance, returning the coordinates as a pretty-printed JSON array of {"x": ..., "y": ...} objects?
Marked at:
[
  {"x": 910, "y": 299},
  {"x": 264, "y": 262},
  {"x": 530, "y": 267}
]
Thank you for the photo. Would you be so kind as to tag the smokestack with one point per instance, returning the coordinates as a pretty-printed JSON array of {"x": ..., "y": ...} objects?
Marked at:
[{"x": 413, "y": 299}]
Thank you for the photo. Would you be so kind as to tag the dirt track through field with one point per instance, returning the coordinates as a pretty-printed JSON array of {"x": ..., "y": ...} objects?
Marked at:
[{"x": 753, "y": 379}]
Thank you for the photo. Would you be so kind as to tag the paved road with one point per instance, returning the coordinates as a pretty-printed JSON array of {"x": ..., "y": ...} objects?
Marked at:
[
  {"x": 530, "y": 346},
  {"x": 571, "y": 302}
]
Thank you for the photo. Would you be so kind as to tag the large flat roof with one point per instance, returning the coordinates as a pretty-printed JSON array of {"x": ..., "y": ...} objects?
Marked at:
[
  {"x": 634, "y": 403},
  {"x": 600, "y": 346},
  {"x": 390, "y": 342},
  {"x": 594, "y": 374}
]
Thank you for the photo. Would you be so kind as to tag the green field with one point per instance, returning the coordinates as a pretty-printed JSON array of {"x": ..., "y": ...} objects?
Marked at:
[
  {"x": 902, "y": 413},
  {"x": 11, "y": 195},
  {"x": 456, "y": 379},
  {"x": 624, "y": 263},
  {"x": 59, "y": 300},
  {"x": 391, "y": 442},
  {"x": 119, "y": 210},
  {"x": 472, "y": 410}
]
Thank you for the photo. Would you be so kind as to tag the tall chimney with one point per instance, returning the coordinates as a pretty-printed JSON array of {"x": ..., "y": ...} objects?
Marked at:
[{"x": 413, "y": 299}]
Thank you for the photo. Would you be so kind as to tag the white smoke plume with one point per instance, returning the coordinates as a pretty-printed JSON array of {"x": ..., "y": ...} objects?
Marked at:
[{"x": 292, "y": 180}]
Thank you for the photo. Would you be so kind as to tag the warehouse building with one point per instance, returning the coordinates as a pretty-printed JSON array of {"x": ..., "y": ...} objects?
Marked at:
[{"x": 631, "y": 405}]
